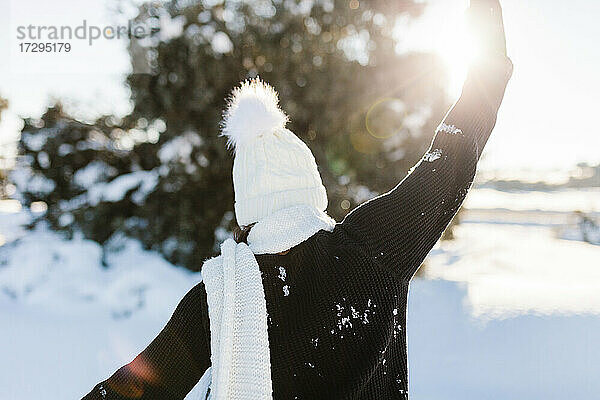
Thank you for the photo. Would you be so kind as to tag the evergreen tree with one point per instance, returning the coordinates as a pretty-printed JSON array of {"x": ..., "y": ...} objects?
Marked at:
[
  {"x": 163, "y": 175},
  {"x": 3, "y": 176},
  {"x": 3, "y": 106}
]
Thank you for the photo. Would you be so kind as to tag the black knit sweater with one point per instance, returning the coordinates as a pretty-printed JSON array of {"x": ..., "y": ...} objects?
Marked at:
[{"x": 337, "y": 302}]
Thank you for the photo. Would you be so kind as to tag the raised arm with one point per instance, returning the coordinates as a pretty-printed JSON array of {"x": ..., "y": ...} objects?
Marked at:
[
  {"x": 172, "y": 364},
  {"x": 401, "y": 226}
]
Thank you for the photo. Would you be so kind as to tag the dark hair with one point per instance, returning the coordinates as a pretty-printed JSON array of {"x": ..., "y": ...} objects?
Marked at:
[{"x": 240, "y": 233}]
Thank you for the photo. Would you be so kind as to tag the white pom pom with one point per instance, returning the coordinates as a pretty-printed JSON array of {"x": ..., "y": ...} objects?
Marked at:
[{"x": 253, "y": 110}]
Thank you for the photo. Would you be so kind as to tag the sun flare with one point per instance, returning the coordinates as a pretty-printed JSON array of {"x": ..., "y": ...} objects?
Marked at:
[
  {"x": 457, "y": 50},
  {"x": 443, "y": 29}
]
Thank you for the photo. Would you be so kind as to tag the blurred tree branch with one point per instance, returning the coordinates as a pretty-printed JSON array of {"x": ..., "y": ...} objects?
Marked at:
[{"x": 367, "y": 112}]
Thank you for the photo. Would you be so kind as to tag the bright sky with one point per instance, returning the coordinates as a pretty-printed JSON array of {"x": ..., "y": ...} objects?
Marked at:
[
  {"x": 547, "y": 121},
  {"x": 549, "y": 117}
]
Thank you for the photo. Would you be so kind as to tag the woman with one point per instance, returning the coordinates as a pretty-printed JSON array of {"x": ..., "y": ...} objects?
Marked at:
[{"x": 310, "y": 308}]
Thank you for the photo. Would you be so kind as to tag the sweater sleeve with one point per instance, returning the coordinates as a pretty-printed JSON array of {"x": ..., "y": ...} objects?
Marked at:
[
  {"x": 401, "y": 226},
  {"x": 172, "y": 363}
]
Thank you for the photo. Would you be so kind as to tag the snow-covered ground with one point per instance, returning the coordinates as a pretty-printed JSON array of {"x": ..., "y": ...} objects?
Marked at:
[
  {"x": 66, "y": 320},
  {"x": 506, "y": 311},
  {"x": 510, "y": 270}
]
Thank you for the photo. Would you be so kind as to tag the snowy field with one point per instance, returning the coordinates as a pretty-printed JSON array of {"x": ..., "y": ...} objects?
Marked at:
[{"x": 509, "y": 310}]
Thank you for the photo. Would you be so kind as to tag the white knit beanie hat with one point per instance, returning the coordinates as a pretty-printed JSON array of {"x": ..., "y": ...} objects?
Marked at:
[{"x": 273, "y": 169}]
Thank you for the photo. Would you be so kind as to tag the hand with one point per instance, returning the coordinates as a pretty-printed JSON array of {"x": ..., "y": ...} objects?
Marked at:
[{"x": 486, "y": 27}]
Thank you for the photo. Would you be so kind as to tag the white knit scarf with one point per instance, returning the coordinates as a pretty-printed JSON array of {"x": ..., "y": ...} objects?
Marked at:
[{"x": 240, "y": 356}]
